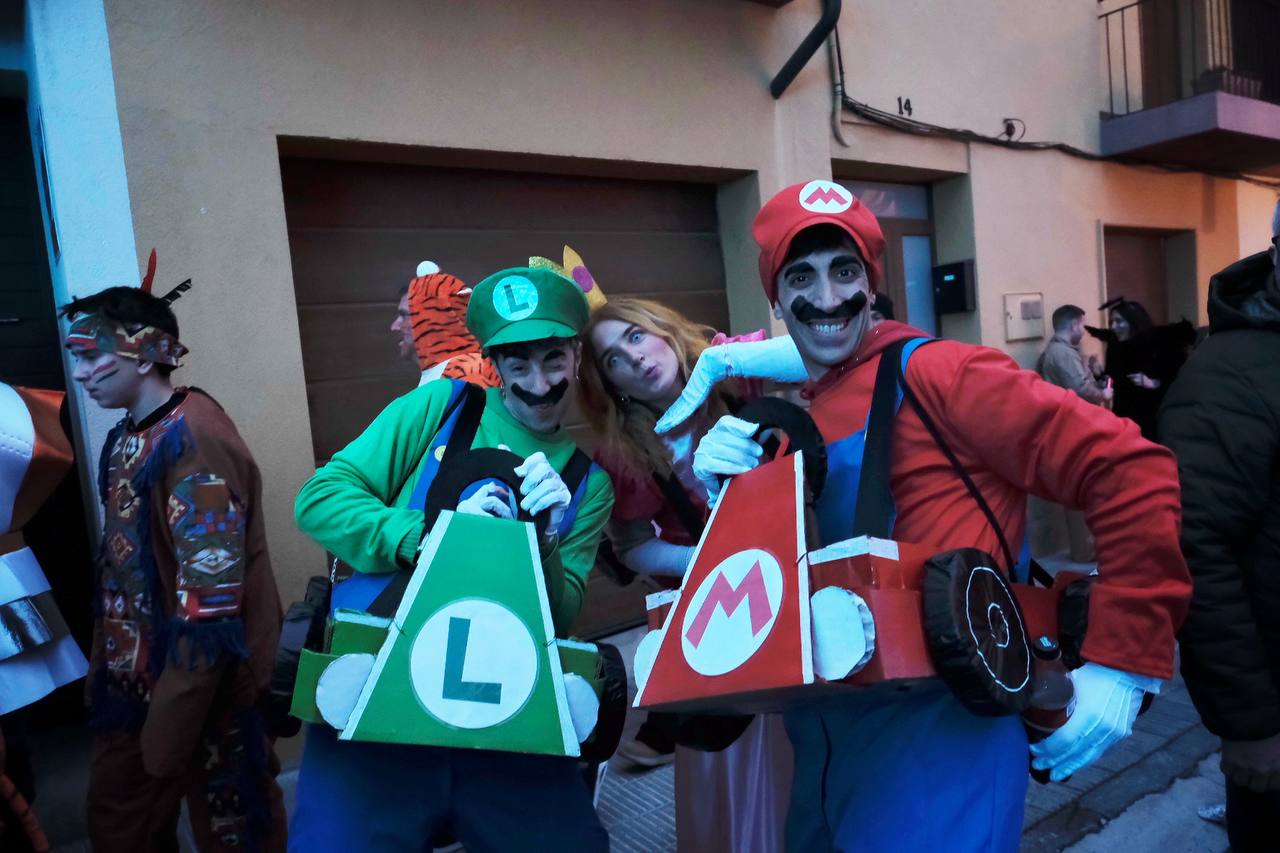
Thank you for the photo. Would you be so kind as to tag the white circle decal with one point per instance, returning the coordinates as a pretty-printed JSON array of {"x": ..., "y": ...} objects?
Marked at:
[
  {"x": 732, "y": 612},
  {"x": 473, "y": 664},
  {"x": 515, "y": 297},
  {"x": 825, "y": 197}
]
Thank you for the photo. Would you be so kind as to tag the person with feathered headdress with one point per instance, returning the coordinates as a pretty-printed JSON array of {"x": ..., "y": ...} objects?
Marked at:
[{"x": 187, "y": 616}]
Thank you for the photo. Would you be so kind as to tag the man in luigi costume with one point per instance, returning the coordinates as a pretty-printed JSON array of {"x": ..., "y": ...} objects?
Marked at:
[{"x": 366, "y": 507}]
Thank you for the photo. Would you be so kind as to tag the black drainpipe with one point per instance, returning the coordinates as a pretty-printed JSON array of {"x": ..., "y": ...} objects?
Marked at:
[{"x": 807, "y": 48}]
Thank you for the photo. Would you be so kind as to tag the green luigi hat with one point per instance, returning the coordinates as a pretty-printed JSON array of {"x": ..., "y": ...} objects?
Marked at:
[{"x": 525, "y": 304}]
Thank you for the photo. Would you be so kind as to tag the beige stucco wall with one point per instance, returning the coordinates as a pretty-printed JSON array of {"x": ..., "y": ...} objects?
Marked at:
[
  {"x": 1037, "y": 228},
  {"x": 1254, "y": 208},
  {"x": 1031, "y": 220},
  {"x": 205, "y": 88},
  {"x": 971, "y": 64}
]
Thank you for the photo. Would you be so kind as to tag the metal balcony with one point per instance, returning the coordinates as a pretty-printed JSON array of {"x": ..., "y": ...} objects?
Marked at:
[{"x": 1194, "y": 83}]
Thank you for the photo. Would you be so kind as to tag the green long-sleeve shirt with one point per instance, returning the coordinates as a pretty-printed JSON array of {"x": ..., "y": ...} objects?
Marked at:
[{"x": 356, "y": 505}]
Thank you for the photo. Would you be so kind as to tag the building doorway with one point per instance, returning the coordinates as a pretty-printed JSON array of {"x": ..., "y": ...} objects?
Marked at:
[
  {"x": 1156, "y": 269},
  {"x": 905, "y": 219}
]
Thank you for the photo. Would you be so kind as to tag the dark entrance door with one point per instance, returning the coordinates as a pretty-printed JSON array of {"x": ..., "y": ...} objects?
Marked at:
[
  {"x": 28, "y": 331},
  {"x": 30, "y": 355}
]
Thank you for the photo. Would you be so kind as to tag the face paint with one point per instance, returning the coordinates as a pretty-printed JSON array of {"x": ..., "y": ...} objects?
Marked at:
[
  {"x": 834, "y": 279},
  {"x": 553, "y": 395},
  {"x": 806, "y": 312},
  {"x": 109, "y": 379},
  {"x": 104, "y": 371}
]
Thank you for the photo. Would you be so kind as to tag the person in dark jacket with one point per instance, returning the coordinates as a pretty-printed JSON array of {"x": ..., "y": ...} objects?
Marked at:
[
  {"x": 1222, "y": 420},
  {"x": 1142, "y": 360}
]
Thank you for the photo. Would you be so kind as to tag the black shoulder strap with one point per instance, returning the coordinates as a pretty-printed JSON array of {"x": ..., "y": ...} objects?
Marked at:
[
  {"x": 464, "y": 430},
  {"x": 690, "y": 518},
  {"x": 575, "y": 471},
  {"x": 873, "y": 514},
  {"x": 961, "y": 473}
]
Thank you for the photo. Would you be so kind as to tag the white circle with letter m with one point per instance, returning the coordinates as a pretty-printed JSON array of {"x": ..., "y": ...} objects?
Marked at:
[
  {"x": 825, "y": 197},
  {"x": 732, "y": 612}
]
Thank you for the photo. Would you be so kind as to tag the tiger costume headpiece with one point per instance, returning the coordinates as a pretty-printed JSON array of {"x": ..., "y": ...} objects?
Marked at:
[{"x": 438, "y": 313}]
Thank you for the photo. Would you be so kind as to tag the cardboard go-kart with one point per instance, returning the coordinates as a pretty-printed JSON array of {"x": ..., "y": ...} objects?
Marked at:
[
  {"x": 761, "y": 622},
  {"x": 469, "y": 657}
]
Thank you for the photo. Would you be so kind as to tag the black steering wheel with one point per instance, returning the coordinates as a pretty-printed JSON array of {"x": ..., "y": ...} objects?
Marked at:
[
  {"x": 459, "y": 472},
  {"x": 799, "y": 428}
]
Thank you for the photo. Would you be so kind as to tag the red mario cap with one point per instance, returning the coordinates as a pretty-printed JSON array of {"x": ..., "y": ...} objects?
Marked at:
[{"x": 801, "y": 206}]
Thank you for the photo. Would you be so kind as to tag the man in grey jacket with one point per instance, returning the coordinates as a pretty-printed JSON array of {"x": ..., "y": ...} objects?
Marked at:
[{"x": 1062, "y": 363}]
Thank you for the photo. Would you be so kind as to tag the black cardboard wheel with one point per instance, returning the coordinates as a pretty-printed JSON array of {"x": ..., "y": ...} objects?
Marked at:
[
  {"x": 487, "y": 463},
  {"x": 802, "y": 434},
  {"x": 975, "y": 632},
  {"x": 603, "y": 742}
]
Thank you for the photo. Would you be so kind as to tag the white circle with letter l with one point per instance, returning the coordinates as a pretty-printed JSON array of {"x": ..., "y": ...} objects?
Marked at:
[
  {"x": 732, "y": 612},
  {"x": 515, "y": 297},
  {"x": 473, "y": 664},
  {"x": 825, "y": 197}
]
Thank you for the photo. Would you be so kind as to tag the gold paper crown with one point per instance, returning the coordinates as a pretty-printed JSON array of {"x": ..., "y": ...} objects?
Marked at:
[{"x": 576, "y": 271}]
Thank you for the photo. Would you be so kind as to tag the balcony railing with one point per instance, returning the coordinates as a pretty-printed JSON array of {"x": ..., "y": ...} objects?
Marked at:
[{"x": 1161, "y": 51}]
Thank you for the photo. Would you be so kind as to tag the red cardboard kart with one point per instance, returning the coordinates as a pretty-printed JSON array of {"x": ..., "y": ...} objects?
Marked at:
[{"x": 760, "y": 622}]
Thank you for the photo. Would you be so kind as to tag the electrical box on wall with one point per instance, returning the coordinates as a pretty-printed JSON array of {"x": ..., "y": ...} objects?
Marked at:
[
  {"x": 953, "y": 286},
  {"x": 1023, "y": 316}
]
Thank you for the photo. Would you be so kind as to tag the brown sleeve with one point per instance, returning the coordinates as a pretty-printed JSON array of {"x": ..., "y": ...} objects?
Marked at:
[{"x": 225, "y": 610}]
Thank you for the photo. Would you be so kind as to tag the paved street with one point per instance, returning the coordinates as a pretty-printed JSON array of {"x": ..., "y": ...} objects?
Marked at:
[{"x": 1141, "y": 797}]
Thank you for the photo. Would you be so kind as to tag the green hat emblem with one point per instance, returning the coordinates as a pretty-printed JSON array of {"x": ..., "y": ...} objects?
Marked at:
[
  {"x": 525, "y": 304},
  {"x": 515, "y": 297}
]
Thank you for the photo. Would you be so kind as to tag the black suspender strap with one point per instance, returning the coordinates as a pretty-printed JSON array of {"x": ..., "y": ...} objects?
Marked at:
[
  {"x": 690, "y": 519},
  {"x": 874, "y": 512},
  {"x": 575, "y": 471},
  {"x": 464, "y": 431}
]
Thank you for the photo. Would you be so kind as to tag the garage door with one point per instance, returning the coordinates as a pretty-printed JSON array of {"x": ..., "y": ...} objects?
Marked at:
[{"x": 358, "y": 230}]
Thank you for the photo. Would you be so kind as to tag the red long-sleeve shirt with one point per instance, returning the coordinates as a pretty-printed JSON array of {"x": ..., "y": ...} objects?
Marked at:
[{"x": 1016, "y": 434}]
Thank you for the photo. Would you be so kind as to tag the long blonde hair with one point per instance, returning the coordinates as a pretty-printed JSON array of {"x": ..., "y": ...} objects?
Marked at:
[{"x": 625, "y": 426}]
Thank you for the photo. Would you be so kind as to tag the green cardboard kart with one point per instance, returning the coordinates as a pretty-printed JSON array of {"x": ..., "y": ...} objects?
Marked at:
[{"x": 469, "y": 658}]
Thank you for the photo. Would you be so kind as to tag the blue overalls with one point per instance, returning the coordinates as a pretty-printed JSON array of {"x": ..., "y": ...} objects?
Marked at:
[
  {"x": 909, "y": 771},
  {"x": 357, "y": 795}
]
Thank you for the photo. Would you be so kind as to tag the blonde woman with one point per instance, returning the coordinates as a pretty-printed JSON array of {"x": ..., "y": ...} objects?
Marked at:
[{"x": 638, "y": 357}]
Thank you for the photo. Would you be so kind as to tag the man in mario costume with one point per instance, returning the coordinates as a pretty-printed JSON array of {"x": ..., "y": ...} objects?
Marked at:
[{"x": 915, "y": 770}]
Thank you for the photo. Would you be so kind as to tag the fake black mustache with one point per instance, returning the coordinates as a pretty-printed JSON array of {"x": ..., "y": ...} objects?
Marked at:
[
  {"x": 806, "y": 312},
  {"x": 553, "y": 395}
]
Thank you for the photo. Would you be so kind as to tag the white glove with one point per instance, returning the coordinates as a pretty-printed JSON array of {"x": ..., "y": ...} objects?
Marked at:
[
  {"x": 490, "y": 499},
  {"x": 775, "y": 358},
  {"x": 656, "y": 557},
  {"x": 542, "y": 489},
  {"x": 726, "y": 450},
  {"x": 1107, "y": 702}
]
